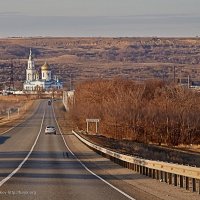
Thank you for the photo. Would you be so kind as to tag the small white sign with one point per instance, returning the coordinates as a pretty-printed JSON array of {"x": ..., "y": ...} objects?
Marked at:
[{"x": 92, "y": 120}]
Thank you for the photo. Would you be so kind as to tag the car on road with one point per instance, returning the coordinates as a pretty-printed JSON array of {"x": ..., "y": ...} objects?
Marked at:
[
  {"x": 49, "y": 102},
  {"x": 50, "y": 130}
]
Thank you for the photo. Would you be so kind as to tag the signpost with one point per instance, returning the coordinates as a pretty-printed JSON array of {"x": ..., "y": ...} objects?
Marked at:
[
  {"x": 8, "y": 113},
  {"x": 92, "y": 121}
]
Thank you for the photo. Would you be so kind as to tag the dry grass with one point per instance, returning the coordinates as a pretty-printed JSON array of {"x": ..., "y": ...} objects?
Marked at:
[
  {"x": 26, "y": 108},
  {"x": 11, "y": 102},
  {"x": 191, "y": 148}
]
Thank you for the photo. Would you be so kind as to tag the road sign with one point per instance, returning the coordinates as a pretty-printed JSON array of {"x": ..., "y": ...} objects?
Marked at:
[{"x": 92, "y": 120}]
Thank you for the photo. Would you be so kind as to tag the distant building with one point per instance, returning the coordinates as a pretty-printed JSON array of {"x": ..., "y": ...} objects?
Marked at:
[{"x": 35, "y": 82}]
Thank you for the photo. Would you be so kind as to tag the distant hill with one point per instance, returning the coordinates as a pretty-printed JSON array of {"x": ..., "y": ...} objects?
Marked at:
[{"x": 83, "y": 58}]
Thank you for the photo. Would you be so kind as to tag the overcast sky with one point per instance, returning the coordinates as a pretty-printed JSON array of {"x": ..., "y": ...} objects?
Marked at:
[
  {"x": 116, "y": 18},
  {"x": 100, "y": 7}
]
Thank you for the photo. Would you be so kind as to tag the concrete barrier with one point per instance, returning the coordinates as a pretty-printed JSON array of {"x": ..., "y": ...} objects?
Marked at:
[{"x": 179, "y": 175}]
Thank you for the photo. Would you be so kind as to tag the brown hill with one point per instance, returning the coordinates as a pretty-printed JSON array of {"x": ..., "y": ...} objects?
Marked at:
[{"x": 83, "y": 58}]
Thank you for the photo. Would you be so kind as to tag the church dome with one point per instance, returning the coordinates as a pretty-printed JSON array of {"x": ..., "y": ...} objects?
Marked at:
[{"x": 45, "y": 67}]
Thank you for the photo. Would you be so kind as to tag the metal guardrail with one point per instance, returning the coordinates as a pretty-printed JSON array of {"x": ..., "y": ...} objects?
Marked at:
[{"x": 179, "y": 175}]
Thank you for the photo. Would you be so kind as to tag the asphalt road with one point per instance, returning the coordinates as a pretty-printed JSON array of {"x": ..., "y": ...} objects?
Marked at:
[{"x": 38, "y": 166}]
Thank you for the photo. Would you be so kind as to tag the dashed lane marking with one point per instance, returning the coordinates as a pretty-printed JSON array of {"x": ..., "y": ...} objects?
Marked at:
[{"x": 26, "y": 158}]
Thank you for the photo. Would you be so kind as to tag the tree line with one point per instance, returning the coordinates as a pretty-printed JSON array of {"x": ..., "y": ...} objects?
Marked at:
[{"x": 149, "y": 112}]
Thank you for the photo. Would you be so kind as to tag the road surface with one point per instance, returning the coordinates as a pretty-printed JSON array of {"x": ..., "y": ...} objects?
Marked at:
[
  {"x": 59, "y": 167},
  {"x": 38, "y": 166}
]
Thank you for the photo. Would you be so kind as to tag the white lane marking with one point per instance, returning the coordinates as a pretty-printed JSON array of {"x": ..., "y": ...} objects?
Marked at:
[
  {"x": 97, "y": 176},
  {"x": 26, "y": 158}
]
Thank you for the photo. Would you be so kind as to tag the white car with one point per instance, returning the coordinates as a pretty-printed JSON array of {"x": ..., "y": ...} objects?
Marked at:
[{"x": 50, "y": 130}]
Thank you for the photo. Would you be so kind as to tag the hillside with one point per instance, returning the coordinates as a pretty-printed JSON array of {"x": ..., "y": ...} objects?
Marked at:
[{"x": 86, "y": 58}]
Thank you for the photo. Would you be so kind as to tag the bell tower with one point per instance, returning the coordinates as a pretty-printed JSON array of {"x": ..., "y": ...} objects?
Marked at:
[{"x": 31, "y": 71}]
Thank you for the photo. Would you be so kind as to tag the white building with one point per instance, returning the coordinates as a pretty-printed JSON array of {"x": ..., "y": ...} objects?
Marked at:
[{"x": 36, "y": 82}]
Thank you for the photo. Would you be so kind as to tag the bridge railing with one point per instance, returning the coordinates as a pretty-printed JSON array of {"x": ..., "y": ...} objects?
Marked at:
[{"x": 175, "y": 174}]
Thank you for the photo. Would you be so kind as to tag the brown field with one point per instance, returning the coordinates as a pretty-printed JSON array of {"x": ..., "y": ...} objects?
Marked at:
[
  {"x": 26, "y": 108},
  {"x": 12, "y": 103},
  {"x": 86, "y": 58}
]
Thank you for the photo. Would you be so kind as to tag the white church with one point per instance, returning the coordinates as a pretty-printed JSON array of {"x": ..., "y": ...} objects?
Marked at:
[{"x": 36, "y": 82}]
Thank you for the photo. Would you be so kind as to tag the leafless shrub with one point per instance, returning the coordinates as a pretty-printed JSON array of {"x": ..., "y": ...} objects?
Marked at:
[{"x": 151, "y": 112}]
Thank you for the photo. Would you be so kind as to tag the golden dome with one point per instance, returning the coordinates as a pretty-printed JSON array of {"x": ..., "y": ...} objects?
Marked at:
[{"x": 45, "y": 67}]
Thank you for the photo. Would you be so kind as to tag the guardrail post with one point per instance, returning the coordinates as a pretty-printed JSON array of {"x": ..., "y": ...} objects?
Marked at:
[
  {"x": 138, "y": 168},
  {"x": 194, "y": 188},
  {"x": 132, "y": 166},
  {"x": 157, "y": 175},
  {"x": 175, "y": 180},
  {"x": 150, "y": 172},
  {"x": 143, "y": 170},
  {"x": 187, "y": 183},
  {"x": 170, "y": 178},
  {"x": 181, "y": 181},
  {"x": 199, "y": 186},
  {"x": 165, "y": 176},
  {"x": 154, "y": 174},
  {"x": 146, "y": 171},
  {"x": 161, "y": 175}
]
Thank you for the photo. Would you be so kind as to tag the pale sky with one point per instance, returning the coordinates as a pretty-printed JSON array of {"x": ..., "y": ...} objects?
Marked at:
[
  {"x": 99, "y": 7},
  {"x": 113, "y": 18}
]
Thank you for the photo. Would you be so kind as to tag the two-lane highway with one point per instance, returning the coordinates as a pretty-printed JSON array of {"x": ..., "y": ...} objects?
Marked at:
[{"x": 38, "y": 166}]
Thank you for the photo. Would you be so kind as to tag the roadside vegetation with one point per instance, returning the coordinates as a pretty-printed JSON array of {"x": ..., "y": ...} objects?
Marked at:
[
  {"x": 11, "y": 103},
  {"x": 150, "y": 112}
]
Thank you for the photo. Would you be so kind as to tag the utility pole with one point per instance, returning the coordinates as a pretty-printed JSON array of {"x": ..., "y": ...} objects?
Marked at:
[
  {"x": 180, "y": 78},
  {"x": 70, "y": 86},
  {"x": 188, "y": 81},
  {"x": 174, "y": 74}
]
